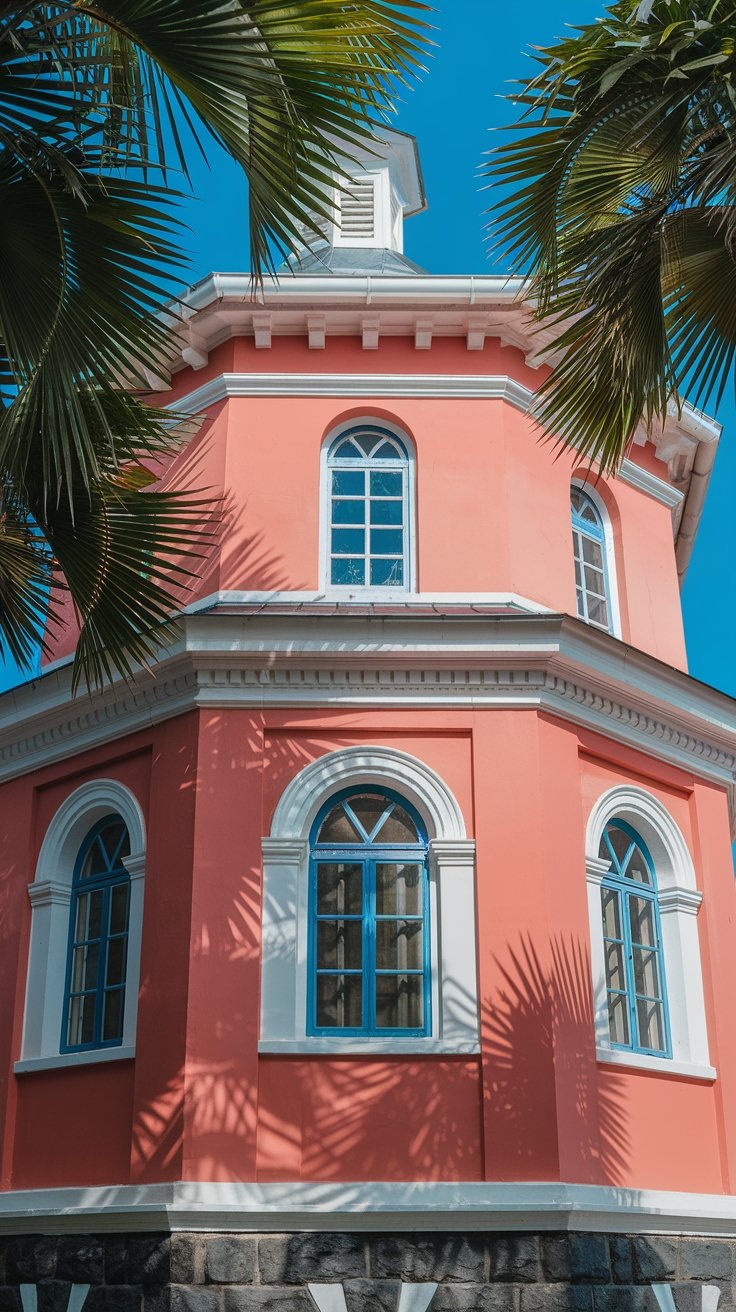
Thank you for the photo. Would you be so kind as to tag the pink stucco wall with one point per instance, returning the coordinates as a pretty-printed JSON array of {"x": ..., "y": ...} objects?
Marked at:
[{"x": 198, "y": 1102}]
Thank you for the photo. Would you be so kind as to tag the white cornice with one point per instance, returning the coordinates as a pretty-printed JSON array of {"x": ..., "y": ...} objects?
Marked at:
[
  {"x": 549, "y": 662},
  {"x": 644, "y": 481},
  {"x": 366, "y": 1206}
]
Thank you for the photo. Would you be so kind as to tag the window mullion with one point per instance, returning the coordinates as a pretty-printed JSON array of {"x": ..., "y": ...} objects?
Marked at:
[
  {"x": 369, "y": 960},
  {"x": 630, "y": 980}
]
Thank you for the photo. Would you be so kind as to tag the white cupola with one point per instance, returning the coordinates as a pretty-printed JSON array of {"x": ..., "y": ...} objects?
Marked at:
[{"x": 366, "y": 232}]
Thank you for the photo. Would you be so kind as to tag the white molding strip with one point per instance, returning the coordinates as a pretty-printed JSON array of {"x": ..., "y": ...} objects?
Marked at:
[
  {"x": 644, "y": 481},
  {"x": 367, "y": 1206},
  {"x": 664, "y": 1066},
  {"x": 66, "y": 1059},
  {"x": 482, "y": 386},
  {"x": 407, "y": 600}
]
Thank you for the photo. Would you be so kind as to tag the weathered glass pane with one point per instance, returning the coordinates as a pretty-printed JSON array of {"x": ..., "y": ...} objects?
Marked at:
[
  {"x": 594, "y": 581},
  {"x": 615, "y": 972},
  {"x": 386, "y": 451},
  {"x": 387, "y": 573},
  {"x": 348, "y": 541},
  {"x": 611, "y": 908},
  {"x": 641, "y": 919},
  {"x": 650, "y": 1019},
  {"x": 618, "y": 1018},
  {"x": 385, "y": 483},
  {"x": 119, "y": 909},
  {"x": 339, "y": 1001},
  {"x": 348, "y": 512},
  {"x": 337, "y": 828},
  {"x": 387, "y": 541},
  {"x": 348, "y": 450},
  {"x": 593, "y": 553},
  {"x": 620, "y": 843},
  {"x": 598, "y": 612},
  {"x": 387, "y": 512},
  {"x": 348, "y": 483},
  {"x": 112, "y": 1021},
  {"x": 399, "y": 944},
  {"x": 81, "y": 1028},
  {"x": 339, "y": 889},
  {"x": 638, "y": 867},
  {"x": 399, "y": 1002},
  {"x": 398, "y": 889},
  {"x": 339, "y": 944},
  {"x": 117, "y": 952},
  {"x": 398, "y": 828},
  {"x": 95, "y": 862},
  {"x": 646, "y": 972},
  {"x": 368, "y": 809},
  {"x": 347, "y": 570}
]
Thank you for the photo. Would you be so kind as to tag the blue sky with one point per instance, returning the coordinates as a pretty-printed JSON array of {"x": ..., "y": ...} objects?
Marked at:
[{"x": 481, "y": 48}]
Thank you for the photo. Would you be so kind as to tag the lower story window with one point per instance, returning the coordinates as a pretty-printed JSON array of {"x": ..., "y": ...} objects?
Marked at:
[{"x": 369, "y": 926}]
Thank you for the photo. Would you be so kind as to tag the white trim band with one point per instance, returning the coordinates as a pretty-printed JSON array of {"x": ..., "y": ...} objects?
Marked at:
[{"x": 367, "y": 1206}]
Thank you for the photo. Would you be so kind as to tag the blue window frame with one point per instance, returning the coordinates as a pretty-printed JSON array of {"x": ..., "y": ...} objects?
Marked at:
[
  {"x": 632, "y": 939},
  {"x": 94, "y": 1003},
  {"x": 368, "y": 469},
  {"x": 369, "y": 944},
  {"x": 591, "y": 568}
]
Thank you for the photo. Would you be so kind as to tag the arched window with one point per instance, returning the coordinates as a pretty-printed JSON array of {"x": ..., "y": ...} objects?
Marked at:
[
  {"x": 632, "y": 938},
  {"x": 592, "y": 581},
  {"x": 368, "y": 529},
  {"x": 98, "y": 940},
  {"x": 369, "y": 947}
]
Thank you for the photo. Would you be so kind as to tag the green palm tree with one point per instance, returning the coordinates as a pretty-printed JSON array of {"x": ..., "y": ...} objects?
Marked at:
[
  {"x": 98, "y": 106},
  {"x": 619, "y": 201}
]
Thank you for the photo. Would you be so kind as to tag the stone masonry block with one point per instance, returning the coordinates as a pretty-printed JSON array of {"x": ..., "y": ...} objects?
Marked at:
[
  {"x": 372, "y": 1295},
  {"x": 187, "y": 1259},
  {"x": 149, "y": 1259},
  {"x": 589, "y": 1258},
  {"x": 81, "y": 1259},
  {"x": 272, "y": 1299},
  {"x": 655, "y": 1258},
  {"x": 9, "y": 1300},
  {"x": 53, "y": 1295},
  {"x": 624, "y": 1298},
  {"x": 321, "y": 1258},
  {"x": 622, "y": 1260},
  {"x": 555, "y": 1250},
  {"x": 114, "y": 1298},
  {"x": 230, "y": 1259},
  {"x": 474, "y": 1298},
  {"x": 185, "y": 1299},
  {"x": 515, "y": 1258},
  {"x": 706, "y": 1259},
  {"x": 30, "y": 1259},
  {"x": 556, "y": 1298},
  {"x": 116, "y": 1260},
  {"x": 428, "y": 1257}
]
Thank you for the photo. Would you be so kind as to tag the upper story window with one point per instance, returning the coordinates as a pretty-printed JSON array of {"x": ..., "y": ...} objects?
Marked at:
[
  {"x": 368, "y": 472},
  {"x": 98, "y": 940},
  {"x": 592, "y": 577},
  {"x": 369, "y": 923},
  {"x": 632, "y": 938}
]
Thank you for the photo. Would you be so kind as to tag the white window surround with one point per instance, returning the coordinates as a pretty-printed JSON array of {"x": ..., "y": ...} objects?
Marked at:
[
  {"x": 285, "y": 905},
  {"x": 50, "y": 896},
  {"x": 679, "y": 900},
  {"x": 609, "y": 546},
  {"x": 341, "y": 593}
]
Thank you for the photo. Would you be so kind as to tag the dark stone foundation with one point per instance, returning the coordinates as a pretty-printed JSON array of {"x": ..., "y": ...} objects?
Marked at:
[{"x": 517, "y": 1272}]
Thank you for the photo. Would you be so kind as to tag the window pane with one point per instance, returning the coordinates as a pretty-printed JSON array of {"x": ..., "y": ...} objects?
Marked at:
[
  {"x": 81, "y": 1027},
  {"x": 398, "y": 889},
  {"x": 348, "y": 540},
  {"x": 399, "y": 1002},
  {"x": 398, "y": 827},
  {"x": 638, "y": 867},
  {"x": 80, "y": 919},
  {"x": 386, "y": 451},
  {"x": 117, "y": 951},
  {"x": 618, "y": 842},
  {"x": 85, "y": 962},
  {"x": 338, "y": 828},
  {"x": 618, "y": 1018},
  {"x": 348, "y": 512},
  {"x": 399, "y": 944},
  {"x": 598, "y": 612},
  {"x": 615, "y": 973},
  {"x": 340, "y": 1001},
  {"x": 348, "y": 483},
  {"x": 95, "y": 862},
  {"x": 339, "y": 889},
  {"x": 348, "y": 569},
  {"x": 348, "y": 450},
  {"x": 581, "y": 605},
  {"x": 119, "y": 909},
  {"x": 339, "y": 944},
  {"x": 112, "y": 837},
  {"x": 387, "y": 541},
  {"x": 611, "y": 905},
  {"x": 387, "y": 573},
  {"x": 386, "y": 484},
  {"x": 641, "y": 919},
  {"x": 646, "y": 972},
  {"x": 387, "y": 512},
  {"x": 592, "y": 553},
  {"x": 594, "y": 581},
  {"x": 368, "y": 809},
  {"x": 112, "y": 1022},
  {"x": 650, "y": 1020}
]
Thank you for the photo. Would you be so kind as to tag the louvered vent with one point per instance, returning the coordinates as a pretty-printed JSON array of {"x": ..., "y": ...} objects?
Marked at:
[{"x": 357, "y": 218}]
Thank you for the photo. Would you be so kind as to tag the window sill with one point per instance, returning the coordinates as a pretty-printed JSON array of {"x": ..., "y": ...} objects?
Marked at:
[
  {"x": 368, "y": 1047},
  {"x": 658, "y": 1065},
  {"x": 60, "y": 1060}
]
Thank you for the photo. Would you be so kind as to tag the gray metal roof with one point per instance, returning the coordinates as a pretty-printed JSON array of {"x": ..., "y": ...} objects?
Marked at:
[{"x": 346, "y": 260}]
